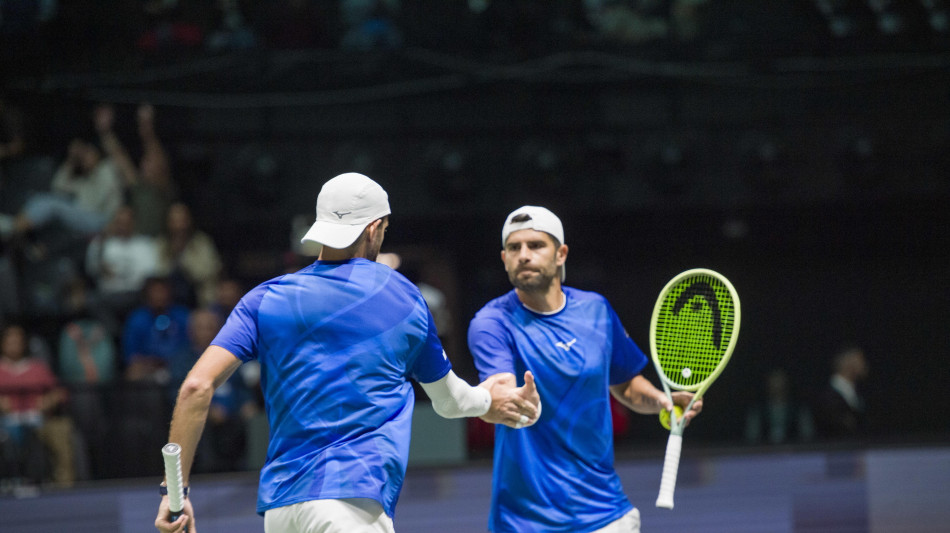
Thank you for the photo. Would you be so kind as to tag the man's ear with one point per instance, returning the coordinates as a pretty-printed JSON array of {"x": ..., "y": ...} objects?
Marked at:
[
  {"x": 373, "y": 226},
  {"x": 561, "y": 254}
]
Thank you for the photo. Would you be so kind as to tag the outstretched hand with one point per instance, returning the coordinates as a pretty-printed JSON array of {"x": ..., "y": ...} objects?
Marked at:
[{"x": 513, "y": 406}]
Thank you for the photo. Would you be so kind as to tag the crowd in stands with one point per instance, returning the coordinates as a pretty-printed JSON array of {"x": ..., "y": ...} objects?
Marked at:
[
  {"x": 109, "y": 289},
  {"x": 107, "y": 34},
  {"x": 95, "y": 347}
]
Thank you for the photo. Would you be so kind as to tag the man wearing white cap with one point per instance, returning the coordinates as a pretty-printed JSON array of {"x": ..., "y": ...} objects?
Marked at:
[
  {"x": 558, "y": 475},
  {"x": 337, "y": 343}
]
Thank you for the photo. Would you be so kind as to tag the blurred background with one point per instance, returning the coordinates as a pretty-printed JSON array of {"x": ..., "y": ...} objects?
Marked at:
[{"x": 799, "y": 147}]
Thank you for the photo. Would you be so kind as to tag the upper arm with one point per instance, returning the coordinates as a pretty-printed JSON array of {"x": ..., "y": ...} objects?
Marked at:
[
  {"x": 239, "y": 334},
  {"x": 627, "y": 360},
  {"x": 214, "y": 367},
  {"x": 430, "y": 363},
  {"x": 491, "y": 348}
]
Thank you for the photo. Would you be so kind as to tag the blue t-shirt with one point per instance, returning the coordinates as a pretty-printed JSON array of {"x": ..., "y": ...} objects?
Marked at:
[
  {"x": 160, "y": 335},
  {"x": 337, "y": 343},
  {"x": 557, "y": 475}
]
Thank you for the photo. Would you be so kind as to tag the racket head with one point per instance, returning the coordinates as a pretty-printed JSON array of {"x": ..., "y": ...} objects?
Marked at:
[{"x": 694, "y": 329}]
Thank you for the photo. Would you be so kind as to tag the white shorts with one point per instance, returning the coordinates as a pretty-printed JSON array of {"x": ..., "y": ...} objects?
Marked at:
[
  {"x": 628, "y": 523},
  {"x": 348, "y": 515}
]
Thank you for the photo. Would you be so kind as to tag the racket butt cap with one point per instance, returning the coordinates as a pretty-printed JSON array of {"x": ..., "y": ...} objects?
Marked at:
[{"x": 664, "y": 503}]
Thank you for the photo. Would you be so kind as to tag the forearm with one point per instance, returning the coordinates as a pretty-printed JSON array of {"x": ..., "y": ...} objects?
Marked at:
[
  {"x": 51, "y": 400},
  {"x": 213, "y": 368},
  {"x": 114, "y": 149},
  {"x": 639, "y": 395},
  {"x": 188, "y": 421},
  {"x": 454, "y": 398}
]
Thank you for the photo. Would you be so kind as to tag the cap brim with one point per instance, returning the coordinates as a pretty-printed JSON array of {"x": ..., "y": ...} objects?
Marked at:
[{"x": 333, "y": 235}]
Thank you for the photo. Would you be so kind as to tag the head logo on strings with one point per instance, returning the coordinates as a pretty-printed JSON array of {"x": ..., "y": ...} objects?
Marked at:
[{"x": 706, "y": 292}]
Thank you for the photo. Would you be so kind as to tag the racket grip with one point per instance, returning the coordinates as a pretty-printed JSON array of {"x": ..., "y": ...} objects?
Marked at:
[
  {"x": 671, "y": 465},
  {"x": 171, "y": 454}
]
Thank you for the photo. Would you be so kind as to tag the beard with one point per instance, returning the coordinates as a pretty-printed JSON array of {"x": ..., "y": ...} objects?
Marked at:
[{"x": 540, "y": 281}]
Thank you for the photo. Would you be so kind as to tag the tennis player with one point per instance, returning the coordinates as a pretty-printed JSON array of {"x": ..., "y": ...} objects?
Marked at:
[
  {"x": 337, "y": 343},
  {"x": 559, "y": 474}
]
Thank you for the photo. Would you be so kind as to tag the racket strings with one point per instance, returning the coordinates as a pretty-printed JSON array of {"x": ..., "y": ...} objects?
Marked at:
[{"x": 694, "y": 329}]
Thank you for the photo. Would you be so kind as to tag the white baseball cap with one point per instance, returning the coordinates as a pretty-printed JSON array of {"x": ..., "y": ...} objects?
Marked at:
[
  {"x": 345, "y": 206},
  {"x": 536, "y": 218}
]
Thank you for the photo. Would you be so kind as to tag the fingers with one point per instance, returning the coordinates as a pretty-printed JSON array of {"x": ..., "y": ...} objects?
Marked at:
[
  {"x": 522, "y": 420},
  {"x": 682, "y": 399},
  {"x": 694, "y": 411},
  {"x": 512, "y": 406},
  {"x": 531, "y": 399},
  {"x": 665, "y": 403},
  {"x": 162, "y": 524},
  {"x": 529, "y": 381}
]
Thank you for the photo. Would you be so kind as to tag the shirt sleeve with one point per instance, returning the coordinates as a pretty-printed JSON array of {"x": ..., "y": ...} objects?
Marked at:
[
  {"x": 627, "y": 359},
  {"x": 431, "y": 364},
  {"x": 239, "y": 333},
  {"x": 491, "y": 346},
  {"x": 61, "y": 181}
]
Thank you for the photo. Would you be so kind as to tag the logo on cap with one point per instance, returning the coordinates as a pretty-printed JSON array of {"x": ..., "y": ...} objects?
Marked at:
[{"x": 341, "y": 215}]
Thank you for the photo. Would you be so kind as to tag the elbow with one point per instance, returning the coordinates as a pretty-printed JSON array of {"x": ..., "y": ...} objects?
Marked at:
[
  {"x": 196, "y": 390},
  {"x": 444, "y": 410}
]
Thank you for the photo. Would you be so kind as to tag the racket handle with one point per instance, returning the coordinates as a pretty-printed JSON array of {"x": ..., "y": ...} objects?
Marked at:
[
  {"x": 671, "y": 465},
  {"x": 171, "y": 453}
]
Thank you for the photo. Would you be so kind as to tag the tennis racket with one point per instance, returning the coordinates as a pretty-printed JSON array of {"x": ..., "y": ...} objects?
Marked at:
[
  {"x": 693, "y": 331},
  {"x": 171, "y": 452}
]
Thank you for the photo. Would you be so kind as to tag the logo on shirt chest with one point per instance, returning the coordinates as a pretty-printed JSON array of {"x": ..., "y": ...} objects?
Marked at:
[{"x": 566, "y": 346}]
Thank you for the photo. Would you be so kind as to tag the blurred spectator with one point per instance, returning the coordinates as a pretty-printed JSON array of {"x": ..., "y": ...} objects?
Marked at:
[
  {"x": 120, "y": 260},
  {"x": 231, "y": 32},
  {"x": 31, "y": 399},
  {"x": 227, "y": 295},
  {"x": 189, "y": 257},
  {"x": 154, "y": 333},
  {"x": 839, "y": 409},
  {"x": 86, "y": 352},
  {"x": 149, "y": 186},
  {"x": 628, "y": 21},
  {"x": 86, "y": 193},
  {"x": 174, "y": 28},
  {"x": 87, "y": 365},
  {"x": 779, "y": 417},
  {"x": 370, "y": 25}
]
